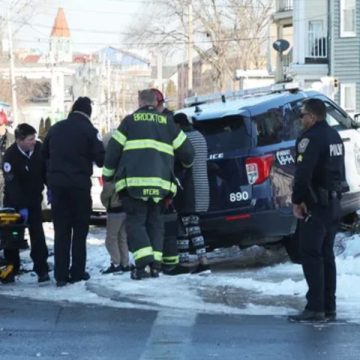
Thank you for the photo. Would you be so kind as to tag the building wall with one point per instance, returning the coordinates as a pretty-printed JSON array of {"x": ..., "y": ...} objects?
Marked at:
[{"x": 345, "y": 59}]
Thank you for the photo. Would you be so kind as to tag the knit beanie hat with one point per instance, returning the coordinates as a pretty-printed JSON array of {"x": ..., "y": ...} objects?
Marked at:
[
  {"x": 181, "y": 119},
  {"x": 82, "y": 104}
]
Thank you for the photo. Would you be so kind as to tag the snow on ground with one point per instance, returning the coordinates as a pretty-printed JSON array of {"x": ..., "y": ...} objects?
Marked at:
[{"x": 277, "y": 289}]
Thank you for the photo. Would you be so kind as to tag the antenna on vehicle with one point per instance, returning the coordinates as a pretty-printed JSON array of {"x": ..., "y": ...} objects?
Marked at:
[{"x": 223, "y": 99}]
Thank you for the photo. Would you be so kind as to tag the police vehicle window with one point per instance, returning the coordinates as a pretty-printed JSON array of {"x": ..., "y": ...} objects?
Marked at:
[
  {"x": 225, "y": 134},
  {"x": 334, "y": 117},
  {"x": 294, "y": 122},
  {"x": 270, "y": 127}
]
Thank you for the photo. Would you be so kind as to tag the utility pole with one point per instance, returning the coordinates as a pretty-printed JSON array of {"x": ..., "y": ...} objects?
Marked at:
[
  {"x": 108, "y": 102},
  {"x": 12, "y": 71},
  {"x": 159, "y": 66},
  {"x": 190, "y": 49}
]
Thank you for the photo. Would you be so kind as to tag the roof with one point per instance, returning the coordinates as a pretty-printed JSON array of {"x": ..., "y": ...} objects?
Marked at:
[
  {"x": 31, "y": 59},
  {"x": 82, "y": 58},
  {"x": 60, "y": 28},
  {"x": 251, "y": 105},
  {"x": 122, "y": 57}
]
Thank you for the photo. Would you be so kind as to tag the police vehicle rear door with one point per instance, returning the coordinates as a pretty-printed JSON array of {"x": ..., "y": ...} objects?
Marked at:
[{"x": 229, "y": 141}]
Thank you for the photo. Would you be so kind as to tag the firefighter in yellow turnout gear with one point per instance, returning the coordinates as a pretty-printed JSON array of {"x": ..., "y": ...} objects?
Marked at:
[{"x": 140, "y": 158}]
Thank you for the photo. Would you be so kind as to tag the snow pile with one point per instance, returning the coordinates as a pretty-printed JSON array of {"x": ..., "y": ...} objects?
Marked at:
[{"x": 274, "y": 289}]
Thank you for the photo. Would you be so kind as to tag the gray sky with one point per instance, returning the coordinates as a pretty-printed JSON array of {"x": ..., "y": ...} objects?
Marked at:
[{"x": 93, "y": 23}]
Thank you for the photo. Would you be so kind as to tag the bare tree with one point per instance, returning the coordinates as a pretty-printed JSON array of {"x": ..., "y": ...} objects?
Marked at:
[
  {"x": 228, "y": 34},
  {"x": 27, "y": 90}
]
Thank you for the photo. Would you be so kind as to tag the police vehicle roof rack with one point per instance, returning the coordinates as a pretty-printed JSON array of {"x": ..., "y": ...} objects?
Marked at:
[{"x": 263, "y": 90}]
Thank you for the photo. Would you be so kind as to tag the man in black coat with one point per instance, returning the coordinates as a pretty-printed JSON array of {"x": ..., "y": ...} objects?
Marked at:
[
  {"x": 70, "y": 148},
  {"x": 318, "y": 183},
  {"x": 24, "y": 175}
]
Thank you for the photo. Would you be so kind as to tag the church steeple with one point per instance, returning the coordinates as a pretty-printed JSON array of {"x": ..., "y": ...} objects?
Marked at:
[
  {"x": 60, "y": 41},
  {"x": 60, "y": 28}
]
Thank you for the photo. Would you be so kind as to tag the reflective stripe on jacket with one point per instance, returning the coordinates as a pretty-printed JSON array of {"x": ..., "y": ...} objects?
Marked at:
[{"x": 140, "y": 155}]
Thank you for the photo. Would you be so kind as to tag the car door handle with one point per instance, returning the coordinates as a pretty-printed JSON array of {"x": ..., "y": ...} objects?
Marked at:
[{"x": 346, "y": 139}]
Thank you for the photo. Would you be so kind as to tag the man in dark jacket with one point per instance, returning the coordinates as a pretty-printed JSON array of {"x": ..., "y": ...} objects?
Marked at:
[
  {"x": 318, "y": 182},
  {"x": 140, "y": 156},
  {"x": 24, "y": 174},
  {"x": 70, "y": 148},
  {"x": 191, "y": 201}
]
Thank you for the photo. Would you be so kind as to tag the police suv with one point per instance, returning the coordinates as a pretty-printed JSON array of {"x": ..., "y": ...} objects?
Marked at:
[{"x": 251, "y": 143}]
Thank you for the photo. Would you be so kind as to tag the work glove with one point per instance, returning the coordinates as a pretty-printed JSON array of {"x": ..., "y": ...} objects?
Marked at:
[
  {"x": 24, "y": 214},
  {"x": 49, "y": 196}
]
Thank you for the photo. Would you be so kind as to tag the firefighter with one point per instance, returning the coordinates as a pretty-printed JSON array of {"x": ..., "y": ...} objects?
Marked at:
[
  {"x": 70, "y": 148},
  {"x": 140, "y": 156},
  {"x": 318, "y": 184},
  {"x": 24, "y": 174}
]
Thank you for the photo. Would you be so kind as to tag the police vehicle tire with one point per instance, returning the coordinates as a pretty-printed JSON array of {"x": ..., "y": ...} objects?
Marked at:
[{"x": 292, "y": 246}]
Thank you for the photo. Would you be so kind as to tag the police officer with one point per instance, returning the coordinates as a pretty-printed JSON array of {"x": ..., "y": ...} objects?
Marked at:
[
  {"x": 319, "y": 180},
  {"x": 140, "y": 156},
  {"x": 24, "y": 174},
  {"x": 70, "y": 148}
]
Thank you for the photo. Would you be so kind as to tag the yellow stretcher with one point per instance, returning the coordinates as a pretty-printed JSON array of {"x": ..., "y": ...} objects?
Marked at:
[{"x": 12, "y": 230}]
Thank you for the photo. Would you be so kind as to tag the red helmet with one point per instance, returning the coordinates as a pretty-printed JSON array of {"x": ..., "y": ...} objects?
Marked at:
[
  {"x": 159, "y": 96},
  {"x": 3, "y": 118}
]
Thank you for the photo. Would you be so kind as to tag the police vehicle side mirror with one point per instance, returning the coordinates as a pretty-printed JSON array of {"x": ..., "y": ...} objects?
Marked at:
[{"x": 356, "y": 122}]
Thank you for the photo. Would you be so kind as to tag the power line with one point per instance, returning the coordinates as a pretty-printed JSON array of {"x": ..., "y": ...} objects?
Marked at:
[
  {"x": 202, "y": 5},
  {"x": 73, "y": 29},
  {"x": 87, "y": 11},
  {"x": 177, "y": 42}
]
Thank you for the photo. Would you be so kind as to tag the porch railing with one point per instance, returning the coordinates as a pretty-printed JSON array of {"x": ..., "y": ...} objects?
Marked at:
[
  {"x": 317, "y": 45},
  {"x": 284, "y": 5}
]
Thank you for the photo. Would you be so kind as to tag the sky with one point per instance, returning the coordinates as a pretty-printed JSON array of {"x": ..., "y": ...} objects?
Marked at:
[
  {"x": 93, "y": 23},
  {"x": 277, "y": 288}
]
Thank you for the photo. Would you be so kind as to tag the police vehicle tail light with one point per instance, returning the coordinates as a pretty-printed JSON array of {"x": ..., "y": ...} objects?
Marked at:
[{"x": 258, "y": 168}]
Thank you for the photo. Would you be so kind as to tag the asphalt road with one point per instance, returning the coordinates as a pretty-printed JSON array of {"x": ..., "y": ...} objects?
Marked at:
[{"x": 43, "y": 330}]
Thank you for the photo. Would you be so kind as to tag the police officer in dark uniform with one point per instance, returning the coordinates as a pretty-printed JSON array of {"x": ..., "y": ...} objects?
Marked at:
[
  {"x": 24, "y": 174},
  {"x": 70, "y": 148},
  {"x": 318, "y": 183},
  {"x": 140, "y": 159}
]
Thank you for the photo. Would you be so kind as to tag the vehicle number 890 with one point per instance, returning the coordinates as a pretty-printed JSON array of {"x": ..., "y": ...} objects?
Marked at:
[{"x": 239, "y": 196}]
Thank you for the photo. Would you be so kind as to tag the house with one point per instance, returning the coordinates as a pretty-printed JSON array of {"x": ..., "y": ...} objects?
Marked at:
[
  {"x": 306, "y": 23},
  {"x": 204, "y": 82},
  {"x": 325, "y": 47},
  {"x": 345, "y": 52}
]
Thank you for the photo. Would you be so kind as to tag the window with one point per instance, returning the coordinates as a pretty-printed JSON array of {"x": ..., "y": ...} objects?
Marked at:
[
  {"x": 270, "y": 127},
  {"x": 347, "y": 18},
  {"x": 316, "y": 39},
  {"x": 348, "y": 97},
  {"x": 335, "y": 118},
  {"x": 225, "y": 134}
]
